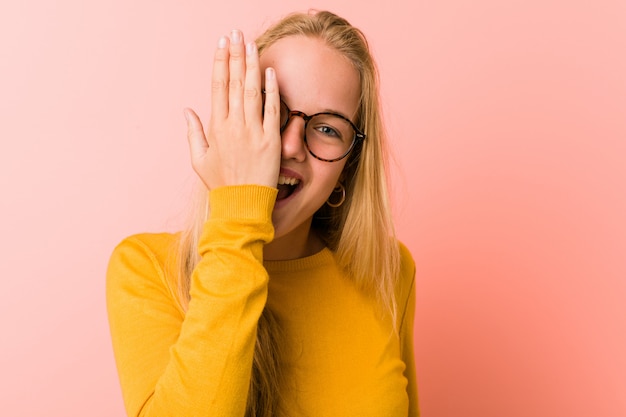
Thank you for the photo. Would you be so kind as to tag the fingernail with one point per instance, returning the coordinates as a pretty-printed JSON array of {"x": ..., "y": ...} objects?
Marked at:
[
  {"x": 222, "y": 42},
  {"x": 250, "y": 47},
  {"x": 235, "y": 36},
  {"x": 269, "y": 73}
]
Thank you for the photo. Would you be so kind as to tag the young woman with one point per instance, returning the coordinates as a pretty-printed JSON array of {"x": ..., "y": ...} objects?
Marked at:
[{"x": 288, "y": 295}]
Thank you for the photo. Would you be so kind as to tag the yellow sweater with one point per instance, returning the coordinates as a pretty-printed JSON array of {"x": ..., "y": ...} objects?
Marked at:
[{"x": 341, "y": 358}]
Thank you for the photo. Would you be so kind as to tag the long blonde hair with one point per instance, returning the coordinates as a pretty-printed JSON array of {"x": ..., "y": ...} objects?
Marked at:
[{"x": 360, "y": 231}]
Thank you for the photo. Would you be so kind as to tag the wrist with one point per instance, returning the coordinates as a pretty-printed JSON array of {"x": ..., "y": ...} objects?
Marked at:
[{"x": 253, "y": 202}]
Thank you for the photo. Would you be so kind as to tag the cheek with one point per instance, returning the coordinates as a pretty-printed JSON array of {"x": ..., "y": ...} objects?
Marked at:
[
  {"x": 329, "y": 175},
  {"x": 327, "y": 183}
]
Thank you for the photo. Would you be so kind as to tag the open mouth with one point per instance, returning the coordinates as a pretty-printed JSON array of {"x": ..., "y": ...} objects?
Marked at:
[{"x": 286, "y": 186}]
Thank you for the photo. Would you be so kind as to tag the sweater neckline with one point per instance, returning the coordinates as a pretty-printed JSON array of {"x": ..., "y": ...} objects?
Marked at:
[{"x": 319, "y": 259}]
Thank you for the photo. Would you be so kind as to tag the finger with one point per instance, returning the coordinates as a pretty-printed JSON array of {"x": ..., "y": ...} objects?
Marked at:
[
  {"x": 252, "y": 90},
  {"x": 271, "y": 118},
  {"x": 198, "y": 145},
  {"x": 219, "y": 81},
  {"x": 237, "y": 73}
]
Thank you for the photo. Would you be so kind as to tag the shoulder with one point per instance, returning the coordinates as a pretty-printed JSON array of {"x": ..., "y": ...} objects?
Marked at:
[
  {"x": 405, "y": 285},
  {"x": 156, "y": 246},
  {"x": 143, "y": 263},
  {"x": 407, "y": 264},
  {"x": 406, "y": 280}
]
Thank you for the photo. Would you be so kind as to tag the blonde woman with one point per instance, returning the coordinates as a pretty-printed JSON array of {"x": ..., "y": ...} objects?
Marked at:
[{"x": 288, "y": 294}]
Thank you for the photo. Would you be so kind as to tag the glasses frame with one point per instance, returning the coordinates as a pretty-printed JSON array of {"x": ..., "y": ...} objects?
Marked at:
[{"x": 358, "y": 134}]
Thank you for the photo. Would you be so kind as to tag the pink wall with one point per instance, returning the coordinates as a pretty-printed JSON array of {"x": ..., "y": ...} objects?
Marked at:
[{"x": 509, "y": 125}]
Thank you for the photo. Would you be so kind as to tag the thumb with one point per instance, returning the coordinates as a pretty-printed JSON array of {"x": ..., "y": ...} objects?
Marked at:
[{"x": 195, "y": 136}]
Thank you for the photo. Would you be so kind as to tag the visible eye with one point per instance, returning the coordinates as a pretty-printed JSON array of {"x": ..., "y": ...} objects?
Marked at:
[
  {"x": 328, "y": 131},
  {"x": 331, "y": 128}
]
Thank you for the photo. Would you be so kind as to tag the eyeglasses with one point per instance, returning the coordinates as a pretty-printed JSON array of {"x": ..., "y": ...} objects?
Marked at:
[{"x": 328, "y": 136}]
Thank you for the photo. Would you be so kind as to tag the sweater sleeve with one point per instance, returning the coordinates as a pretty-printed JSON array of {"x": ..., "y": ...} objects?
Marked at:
[
  {"x": 406, "y": 329},
  {"x": 198, "y": 363}
]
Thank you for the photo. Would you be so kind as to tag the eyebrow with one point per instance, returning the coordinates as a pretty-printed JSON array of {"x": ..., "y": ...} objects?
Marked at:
[{"x": 326, "y": 110}]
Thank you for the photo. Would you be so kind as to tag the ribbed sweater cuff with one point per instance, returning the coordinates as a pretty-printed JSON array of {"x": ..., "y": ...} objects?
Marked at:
[{"x": 242, "y": 202}]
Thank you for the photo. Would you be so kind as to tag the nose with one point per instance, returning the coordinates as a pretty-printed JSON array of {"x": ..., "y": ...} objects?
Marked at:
[{"x": 293, "y": 140}]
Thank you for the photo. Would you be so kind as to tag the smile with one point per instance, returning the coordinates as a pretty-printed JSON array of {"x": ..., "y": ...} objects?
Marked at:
[{"x": 286, "y": 186}]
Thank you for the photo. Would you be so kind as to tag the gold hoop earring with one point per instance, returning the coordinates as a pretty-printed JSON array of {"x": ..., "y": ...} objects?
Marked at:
[{"x": 340, "y": 188}]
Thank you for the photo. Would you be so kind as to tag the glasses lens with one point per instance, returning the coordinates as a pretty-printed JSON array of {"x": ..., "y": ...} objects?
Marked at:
[
  {"x": 329, "y": 136},
  {"x": 284, "y": 115}
]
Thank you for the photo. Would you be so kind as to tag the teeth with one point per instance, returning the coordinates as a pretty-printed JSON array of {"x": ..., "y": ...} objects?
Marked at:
[{"x": 282, "y": 180}]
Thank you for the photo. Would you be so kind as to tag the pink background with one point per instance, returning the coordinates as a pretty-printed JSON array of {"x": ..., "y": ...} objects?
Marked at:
[{"x": 508, "y": 121}]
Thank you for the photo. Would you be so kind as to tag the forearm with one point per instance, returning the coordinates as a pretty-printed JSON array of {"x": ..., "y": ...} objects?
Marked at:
[
  {"x": 206, "y": 370},
  {"x": 213, "y": 356}
]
